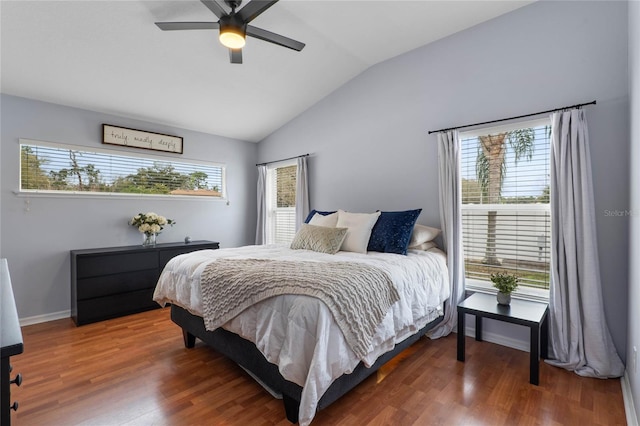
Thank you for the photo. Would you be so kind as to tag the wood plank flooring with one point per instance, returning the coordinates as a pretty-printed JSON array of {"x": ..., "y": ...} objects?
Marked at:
[{"x": 135, "y": 371}]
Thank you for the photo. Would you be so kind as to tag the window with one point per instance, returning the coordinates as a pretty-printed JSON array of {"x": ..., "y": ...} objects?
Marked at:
[
  {"x": 506, "y": 221},
  {"x": 60, "y": 169},
  {"x": 281, "y": 203}
]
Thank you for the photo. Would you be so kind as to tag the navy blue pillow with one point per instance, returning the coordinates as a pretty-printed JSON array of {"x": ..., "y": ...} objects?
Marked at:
[
  {"x": 392, "y": 231},
  {"x": 312, "y": 212}
]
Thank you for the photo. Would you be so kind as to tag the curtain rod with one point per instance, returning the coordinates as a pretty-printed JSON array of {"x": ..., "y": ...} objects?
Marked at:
[
  {"x": 513, "y": 118},
  {"x": 284, "y": 159}
]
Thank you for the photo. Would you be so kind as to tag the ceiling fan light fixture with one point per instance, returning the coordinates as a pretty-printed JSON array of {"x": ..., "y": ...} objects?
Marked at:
[
  {"x": 232, "y": 37},
  {"x": 233, "y": 26}
]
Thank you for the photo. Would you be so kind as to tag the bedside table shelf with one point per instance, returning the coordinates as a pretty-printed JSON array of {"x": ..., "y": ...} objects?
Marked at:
[{"x": 116, "y": 281}]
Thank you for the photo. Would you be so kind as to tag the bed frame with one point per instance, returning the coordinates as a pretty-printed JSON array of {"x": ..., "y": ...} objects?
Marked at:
[{"x": 245, "y": 354}]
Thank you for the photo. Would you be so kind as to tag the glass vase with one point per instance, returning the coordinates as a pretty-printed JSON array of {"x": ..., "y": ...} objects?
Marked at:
[{"x": 149, "y": 239}]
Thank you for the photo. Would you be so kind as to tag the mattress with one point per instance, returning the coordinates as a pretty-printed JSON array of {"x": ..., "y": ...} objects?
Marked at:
[{"x": 297, "y": 333}]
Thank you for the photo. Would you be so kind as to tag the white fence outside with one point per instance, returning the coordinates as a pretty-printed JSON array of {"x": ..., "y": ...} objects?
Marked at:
[
  {"x": 522, "y": 239},
  {"x": 531, "y": 223}
]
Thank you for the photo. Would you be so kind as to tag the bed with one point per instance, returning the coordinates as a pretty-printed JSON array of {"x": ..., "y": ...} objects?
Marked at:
[{"x": 291, "y": 344}]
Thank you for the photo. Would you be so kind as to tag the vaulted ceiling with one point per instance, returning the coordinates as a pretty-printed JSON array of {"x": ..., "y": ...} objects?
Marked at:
[{"x": 108, "y": 56}]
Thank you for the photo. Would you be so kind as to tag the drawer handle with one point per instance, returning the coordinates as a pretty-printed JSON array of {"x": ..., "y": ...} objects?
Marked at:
[
  {"x": 14, "y": 406},
  {"x": 17, "y": 380}
]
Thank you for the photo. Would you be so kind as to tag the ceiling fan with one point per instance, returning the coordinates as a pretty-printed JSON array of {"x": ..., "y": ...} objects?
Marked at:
[{"x": 234, "y": 26}]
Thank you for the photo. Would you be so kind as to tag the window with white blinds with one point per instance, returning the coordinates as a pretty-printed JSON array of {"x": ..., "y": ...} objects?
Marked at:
[
  {"x": 506, "y": 219},
  {"x": 55, "y": 168},
  {"x": 281, "y": 203}
]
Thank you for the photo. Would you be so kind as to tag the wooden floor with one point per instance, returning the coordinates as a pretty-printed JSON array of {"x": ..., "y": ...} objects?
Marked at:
[{"x": 136, "y": 371}]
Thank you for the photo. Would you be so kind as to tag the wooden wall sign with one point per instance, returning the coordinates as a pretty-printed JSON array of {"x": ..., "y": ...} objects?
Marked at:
[{"x": 124, "y": 136}]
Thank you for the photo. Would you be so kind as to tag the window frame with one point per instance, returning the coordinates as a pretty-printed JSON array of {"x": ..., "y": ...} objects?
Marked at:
[
  {"x": 115, "y": 195},
  {"x": 482, "y": 286},
  {"x": 271, "y": 170}
]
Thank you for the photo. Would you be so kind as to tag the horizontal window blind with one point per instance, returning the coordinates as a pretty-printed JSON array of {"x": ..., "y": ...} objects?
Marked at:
[
  {"x": 281, "y": 196},
  {"x": 284, "y": 222},
  {"x": 506, "y": 220},
  {"x": 59, "y": 168}
]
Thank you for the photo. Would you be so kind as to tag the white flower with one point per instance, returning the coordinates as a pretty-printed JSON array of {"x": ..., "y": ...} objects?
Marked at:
[{"x": 150, "y": 222}]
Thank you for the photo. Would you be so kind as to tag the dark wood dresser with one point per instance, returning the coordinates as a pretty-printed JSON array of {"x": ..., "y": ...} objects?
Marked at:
[
  {"x": 10, "y": 344},
  {"x": 117, "y": 281}
]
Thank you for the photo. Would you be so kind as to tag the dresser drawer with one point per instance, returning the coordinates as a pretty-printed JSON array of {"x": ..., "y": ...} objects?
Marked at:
[
  {"x": 168, "y": 254},
  {"x": 117, "y": 305},
  {"x": 116, "y": 283},
  {"x": 107, "y": 264}
]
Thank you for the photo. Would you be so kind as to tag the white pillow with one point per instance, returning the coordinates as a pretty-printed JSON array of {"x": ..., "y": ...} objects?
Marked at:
[
  {"x": 422, "y": 234},
  {"x": 424, "y": 246},
  {"x": 359, "y": 225},
  {"x": 329, "y": 220}
]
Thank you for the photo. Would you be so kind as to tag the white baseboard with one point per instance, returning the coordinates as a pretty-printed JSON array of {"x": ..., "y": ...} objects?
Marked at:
[
  {"x": 37, "y": 319},
  {"x": 627, "y": 396},
  {"x": 498, "y": 339}
]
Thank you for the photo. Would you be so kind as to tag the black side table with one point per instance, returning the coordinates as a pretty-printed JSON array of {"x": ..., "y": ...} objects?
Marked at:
[{"x": 523, "y": 312}]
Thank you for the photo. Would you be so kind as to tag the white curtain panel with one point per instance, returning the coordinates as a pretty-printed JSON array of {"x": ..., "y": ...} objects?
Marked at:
[
  {"x": 579, "y": 338},
  {"x": 451, "y": 224},
  {"x": 302, "y": 192},
  {"x": 261, "y": 226}
]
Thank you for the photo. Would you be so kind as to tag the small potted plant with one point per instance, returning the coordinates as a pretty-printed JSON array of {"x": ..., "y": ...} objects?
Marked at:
[{"x": 505, "y": 283}]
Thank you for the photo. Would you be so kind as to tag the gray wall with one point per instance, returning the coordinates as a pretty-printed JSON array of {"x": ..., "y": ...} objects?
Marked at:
[
  {"x": 37, "y": 242},
  {"x": 634, "y": 279},
  {"x": 369, "y": 143}
]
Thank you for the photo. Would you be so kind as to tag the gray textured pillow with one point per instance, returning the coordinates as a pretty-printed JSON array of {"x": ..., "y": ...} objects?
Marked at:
[{"x": 319, "y": 238}]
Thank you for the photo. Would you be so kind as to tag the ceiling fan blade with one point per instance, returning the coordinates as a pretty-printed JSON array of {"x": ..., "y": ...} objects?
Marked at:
[
  {"x": 278, "y": 39},
  {"x": 215, "y": 7},
  {"x": 171, "y": 26},
  {"x": 254, "y": 8},
  {"x": 235, "y": 56}
]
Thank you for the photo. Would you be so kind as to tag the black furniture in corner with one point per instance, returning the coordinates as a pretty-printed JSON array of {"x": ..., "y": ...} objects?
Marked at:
[
  {"x": 116, "y": 281},
  {"x": 534, "y": 315},
  {"x": 10, "y": 344}
]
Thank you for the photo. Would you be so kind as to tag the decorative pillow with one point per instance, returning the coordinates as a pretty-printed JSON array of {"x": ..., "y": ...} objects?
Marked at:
[
  {"x": 319, "y": 238},
  {"x": 329, "y": 220},
  {"x": 422, "y": 234},
  {"x": 392, "y": 231},
  {"x": 360, "y": 225},
  {"x": 424, "y": 246},
  {"x": 313, "y": 212}
]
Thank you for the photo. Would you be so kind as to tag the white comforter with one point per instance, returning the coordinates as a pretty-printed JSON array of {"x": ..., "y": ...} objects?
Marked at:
[{"x": 298, "y": 333}]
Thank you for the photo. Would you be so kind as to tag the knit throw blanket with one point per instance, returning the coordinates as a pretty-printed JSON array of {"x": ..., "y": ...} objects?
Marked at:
[{"x": 357, "y": 295}]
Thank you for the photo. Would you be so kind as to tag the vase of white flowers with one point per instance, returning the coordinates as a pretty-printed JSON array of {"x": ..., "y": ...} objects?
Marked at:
[{"x": 150, "y": 224}]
